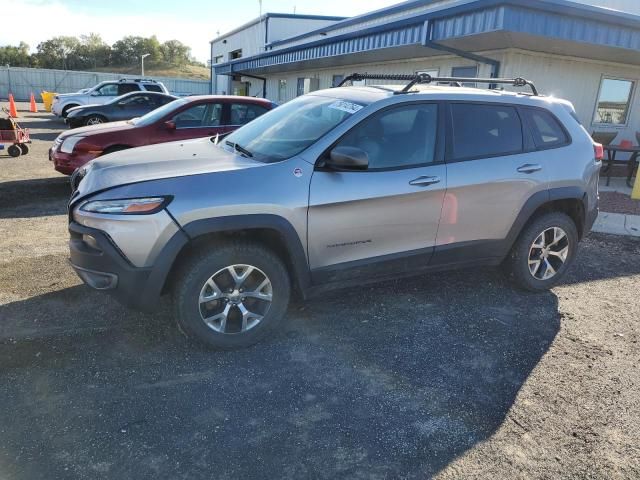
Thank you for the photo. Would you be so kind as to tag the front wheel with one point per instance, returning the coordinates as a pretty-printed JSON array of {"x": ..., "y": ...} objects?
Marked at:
[
  {"x": 231, "y": 296},
  {"x": 24, "y": 148},
  {"x": 94, "y": 120},
  {"x": 544, "y": 252}
]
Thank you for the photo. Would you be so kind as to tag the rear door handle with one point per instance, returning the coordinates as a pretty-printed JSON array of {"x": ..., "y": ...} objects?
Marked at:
[
  {"x": 530, "y": 168},
  {"x": 424, "y": 181}
]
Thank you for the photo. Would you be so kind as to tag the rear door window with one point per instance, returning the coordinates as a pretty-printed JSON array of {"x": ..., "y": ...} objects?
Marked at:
[
  {"x": 243, "y": 113},
  {"x": 546, "y": 131},
  {"x": 485, "y": 131},
  {"x": 127, "y": 87}
]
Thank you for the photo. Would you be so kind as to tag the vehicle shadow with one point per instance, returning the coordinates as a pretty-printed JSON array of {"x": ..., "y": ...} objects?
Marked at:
[
  {"x": 34, "y": 197},
  {"x": 395, "y": 380}
]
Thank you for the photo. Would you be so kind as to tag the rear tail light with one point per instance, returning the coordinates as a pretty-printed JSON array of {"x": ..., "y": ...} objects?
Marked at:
[{"x": 598, "y": 150}]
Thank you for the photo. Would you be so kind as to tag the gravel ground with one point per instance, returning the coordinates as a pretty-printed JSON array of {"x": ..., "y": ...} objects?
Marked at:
[
  {"x": 615, "y": 202},
  {"x": 454, "y": 375}
]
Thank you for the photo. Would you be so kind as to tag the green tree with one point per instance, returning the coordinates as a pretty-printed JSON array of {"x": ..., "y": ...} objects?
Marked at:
[
  {"x": 59, "y": 52},
  {"x": 15, "y": 56}
]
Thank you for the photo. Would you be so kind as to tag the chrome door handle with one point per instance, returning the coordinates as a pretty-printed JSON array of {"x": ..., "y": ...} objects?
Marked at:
[
  {"x": 530, "y": 168},
  {"x": 424, "y": 181}
]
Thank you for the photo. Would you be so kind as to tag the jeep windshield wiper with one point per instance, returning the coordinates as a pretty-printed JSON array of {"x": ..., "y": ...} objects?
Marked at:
[{"x": 240, "y": 149}]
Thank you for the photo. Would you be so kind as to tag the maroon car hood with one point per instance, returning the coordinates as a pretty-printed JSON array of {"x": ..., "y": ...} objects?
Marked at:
[{"x": 101, "y": 128}]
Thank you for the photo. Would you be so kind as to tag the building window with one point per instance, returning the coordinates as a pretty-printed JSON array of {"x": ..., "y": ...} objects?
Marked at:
[
  {"x": 465, "y": 72},
  {"x": 307, "y": 85},
  {"x": 282, "y": 91},
  {"x": 337, "y": 80},
  {"x": 614, "y": 101},
  {"x": 235, "y": 54},
  {"x": 218, "y": 59}
]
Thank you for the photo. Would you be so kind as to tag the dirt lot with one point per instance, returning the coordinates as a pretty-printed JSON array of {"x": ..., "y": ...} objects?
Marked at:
[{"x": 452, "y": 375}]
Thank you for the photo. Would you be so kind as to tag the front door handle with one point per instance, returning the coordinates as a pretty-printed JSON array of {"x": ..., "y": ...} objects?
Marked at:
[
  {"x": 424, "y": 181},
  {"x": 530, "y": 168}
]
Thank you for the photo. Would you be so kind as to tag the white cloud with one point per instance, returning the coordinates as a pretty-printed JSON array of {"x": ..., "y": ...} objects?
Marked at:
[{"x": 35, "y": 21}]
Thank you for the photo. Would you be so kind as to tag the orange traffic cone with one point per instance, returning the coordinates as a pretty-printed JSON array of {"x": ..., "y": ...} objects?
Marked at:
[
  {"x": 33, "y": 108},
  {"x": 13, "y": 111}
]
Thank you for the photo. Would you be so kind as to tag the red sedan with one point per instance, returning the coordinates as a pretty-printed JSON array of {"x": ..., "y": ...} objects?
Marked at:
[{"x": 182, "y": 119}]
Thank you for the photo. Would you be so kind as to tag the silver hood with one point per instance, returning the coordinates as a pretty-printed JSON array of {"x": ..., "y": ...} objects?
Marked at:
[{"x": 155, "y": 162}]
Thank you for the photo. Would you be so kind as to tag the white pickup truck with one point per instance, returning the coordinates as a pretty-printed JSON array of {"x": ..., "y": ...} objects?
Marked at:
[{"x": 103, "y": 93}]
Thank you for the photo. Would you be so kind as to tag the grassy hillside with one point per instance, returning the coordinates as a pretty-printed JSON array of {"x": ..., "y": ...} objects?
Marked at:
[{"x": 193, "y": 72}]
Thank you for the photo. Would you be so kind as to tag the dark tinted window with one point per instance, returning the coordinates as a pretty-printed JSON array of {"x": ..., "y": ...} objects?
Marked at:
[
  {"x": 485, "y": 130},
  {"x": 127, "y": 87},
  {"x": 545, "y": 129},
  {"x": 199, "y": 116},
  {"x": 243, "y": 113},
  {"x": 152, "y": 88},
  {"x": 399, "y": 137}
]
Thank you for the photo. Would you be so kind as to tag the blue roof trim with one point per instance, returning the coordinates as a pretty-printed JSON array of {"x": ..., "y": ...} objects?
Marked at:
[
  {"x": 560, "y": 6},
  {"x": 552, "y": 18}
]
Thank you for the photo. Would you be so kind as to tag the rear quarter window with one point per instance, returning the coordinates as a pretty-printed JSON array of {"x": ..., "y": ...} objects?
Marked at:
[
  {"x": 545, "y": 129},
  {"x": 153, "y": 88},
  {"x": 485, "y": 131}
]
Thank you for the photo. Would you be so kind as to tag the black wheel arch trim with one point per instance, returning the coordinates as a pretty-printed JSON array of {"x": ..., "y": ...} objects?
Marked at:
[
  {"x": 295, "y": 249},
  {"x": 536, "y": 201}
]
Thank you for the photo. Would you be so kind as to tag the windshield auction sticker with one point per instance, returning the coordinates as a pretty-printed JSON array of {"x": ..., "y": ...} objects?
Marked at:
[{"x": 346, "y": 106}]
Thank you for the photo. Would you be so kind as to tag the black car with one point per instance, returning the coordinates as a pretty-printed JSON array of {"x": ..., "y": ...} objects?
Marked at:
[{"x": 125, "y": 107}]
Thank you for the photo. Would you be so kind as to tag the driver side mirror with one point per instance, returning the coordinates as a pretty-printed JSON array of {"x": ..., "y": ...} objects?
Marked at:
[
  {"x": 170, "y": 125},
  {"x": 348, "y": 158}
]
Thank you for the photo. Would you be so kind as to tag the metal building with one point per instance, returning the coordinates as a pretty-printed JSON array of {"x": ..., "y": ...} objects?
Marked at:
[{"x": 587, "y": 51}]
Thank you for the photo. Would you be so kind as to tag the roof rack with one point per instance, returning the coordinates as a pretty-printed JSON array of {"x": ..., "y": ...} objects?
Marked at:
[
  {"x": 421, "y": 78},
  {"x": 147, "y": 80}
]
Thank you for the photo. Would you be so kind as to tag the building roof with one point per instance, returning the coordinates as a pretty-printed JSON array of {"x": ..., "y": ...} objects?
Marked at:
[
  {"x": 276, "y": 15},
  {"x": 556, "y": 26}
]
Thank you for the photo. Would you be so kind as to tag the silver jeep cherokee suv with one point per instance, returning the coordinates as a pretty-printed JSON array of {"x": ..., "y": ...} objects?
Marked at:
[{"x": 343, "y": 185}]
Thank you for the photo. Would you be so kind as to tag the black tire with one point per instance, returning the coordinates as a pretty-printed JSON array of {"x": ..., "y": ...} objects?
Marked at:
[
  {"x": 518, "y": 261},
  {"x": 65, "y": 110},
  {"x": 24, "y": 148},
  {"x": 14, "y": 150},
  {"x": 203, "y": 265},
  {"x": 94, "y": 120}
]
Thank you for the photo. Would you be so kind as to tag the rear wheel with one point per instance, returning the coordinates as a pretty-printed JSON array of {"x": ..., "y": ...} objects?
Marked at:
[
  {"x": 94, "y": 120},
  {"x": 24, "y": 148},
  {"x": 14, "y": 151},
  {"x": 544, "y": 252},
  {"x": 232, "y": 296}
]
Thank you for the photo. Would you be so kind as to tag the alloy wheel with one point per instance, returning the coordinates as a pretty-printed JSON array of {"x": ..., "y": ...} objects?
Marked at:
[
  {"x": 94, "y": 121},
  {"x": 235, "y": 299},
  {"x": 548, "y": 253}
]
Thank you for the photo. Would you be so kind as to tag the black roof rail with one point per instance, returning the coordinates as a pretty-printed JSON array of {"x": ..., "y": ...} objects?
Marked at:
[
  {"x": 148, "y": 80},
  {"x": 425, "y": 78}
]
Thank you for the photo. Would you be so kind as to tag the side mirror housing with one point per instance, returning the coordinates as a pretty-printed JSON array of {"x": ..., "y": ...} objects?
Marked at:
[
  {"x": 348, "y": 158},
  {"x": 170, "y": 125}
]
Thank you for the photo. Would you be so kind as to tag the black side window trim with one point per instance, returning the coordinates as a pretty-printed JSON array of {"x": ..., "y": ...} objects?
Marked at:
[
  {"x": 449, "y": 115},
  {"x": 439, "y": 157}
]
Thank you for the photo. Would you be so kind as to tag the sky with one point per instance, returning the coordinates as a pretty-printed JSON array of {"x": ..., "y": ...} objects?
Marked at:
[{"x": 193, "y": 22}]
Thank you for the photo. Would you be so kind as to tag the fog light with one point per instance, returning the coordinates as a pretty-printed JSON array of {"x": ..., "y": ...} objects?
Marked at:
[
  {"x": 97, "y": 280},
  {"x": 91, "y": 241}
]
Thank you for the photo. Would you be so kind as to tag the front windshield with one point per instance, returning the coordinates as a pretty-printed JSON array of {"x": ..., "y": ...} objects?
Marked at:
[
  {"x": 158, "y": 113},
  {"x": 291, "y": 128}
]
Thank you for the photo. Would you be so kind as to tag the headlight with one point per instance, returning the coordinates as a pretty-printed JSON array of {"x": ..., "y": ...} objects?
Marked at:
[
  {"x": 69, "y": 143},
  {"x": 127, "y": 206}
]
